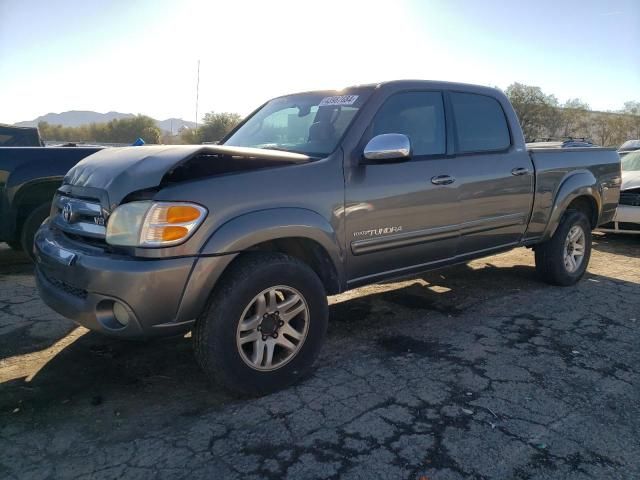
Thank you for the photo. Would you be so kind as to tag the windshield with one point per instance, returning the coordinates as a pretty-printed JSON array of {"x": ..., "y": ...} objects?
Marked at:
[
  {"x": 631, "y": 162},
  {"x": 309, "y": 123}
]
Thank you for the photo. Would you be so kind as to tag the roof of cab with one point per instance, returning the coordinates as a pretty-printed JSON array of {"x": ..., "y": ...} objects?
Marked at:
[{"x": 410, "y": 84}]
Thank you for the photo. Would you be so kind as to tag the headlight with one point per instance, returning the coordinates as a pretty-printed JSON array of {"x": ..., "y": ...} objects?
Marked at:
[{"x": 153, "y": 224}]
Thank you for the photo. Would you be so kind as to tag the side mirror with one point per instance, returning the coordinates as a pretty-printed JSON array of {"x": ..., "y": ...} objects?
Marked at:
[{"x": 388, "y": 148}]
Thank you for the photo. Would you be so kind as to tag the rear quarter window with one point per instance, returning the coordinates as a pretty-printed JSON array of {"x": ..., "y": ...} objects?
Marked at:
[{"x": 480, "y": 123}]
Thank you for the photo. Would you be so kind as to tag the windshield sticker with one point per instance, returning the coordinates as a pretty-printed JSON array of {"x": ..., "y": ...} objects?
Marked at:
[{"x": 338, "y": 100}]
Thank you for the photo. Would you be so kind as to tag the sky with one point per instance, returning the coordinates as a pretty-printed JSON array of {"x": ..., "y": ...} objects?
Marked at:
[{"x": 141, "y": 56}]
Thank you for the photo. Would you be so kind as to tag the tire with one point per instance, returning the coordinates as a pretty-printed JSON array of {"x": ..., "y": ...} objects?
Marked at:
[
  {"x": 30, "y": 227},
  {"x": 218, "y": 337},
  {"x": 550, "y": 256}
]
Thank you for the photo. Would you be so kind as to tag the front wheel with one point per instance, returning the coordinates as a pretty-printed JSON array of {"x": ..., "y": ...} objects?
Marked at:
[
  {"x": 264, "y": 325},
  {"x": 563, "y": 259}
]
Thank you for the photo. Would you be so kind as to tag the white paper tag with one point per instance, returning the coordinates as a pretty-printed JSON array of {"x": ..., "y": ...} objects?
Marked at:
[{"x": 338, "y": 100}]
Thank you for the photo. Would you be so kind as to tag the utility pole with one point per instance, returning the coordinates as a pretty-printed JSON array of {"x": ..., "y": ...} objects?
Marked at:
[{"x": 197, "y": 94}]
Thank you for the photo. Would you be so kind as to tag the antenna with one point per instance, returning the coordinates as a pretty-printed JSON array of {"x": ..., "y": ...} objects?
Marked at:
[{"x": 197, "y": 94}]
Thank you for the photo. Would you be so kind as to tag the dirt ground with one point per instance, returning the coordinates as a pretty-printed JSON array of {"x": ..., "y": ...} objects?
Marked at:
[{"x": 479, "y": 371}]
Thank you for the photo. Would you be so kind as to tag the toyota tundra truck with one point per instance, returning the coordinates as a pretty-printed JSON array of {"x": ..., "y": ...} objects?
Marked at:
[{"x": 311, "y": 195}]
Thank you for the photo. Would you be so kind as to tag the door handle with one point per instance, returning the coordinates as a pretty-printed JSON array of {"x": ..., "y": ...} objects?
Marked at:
[
  {"x": 520, "y": 171},
  {"x": 442, "y": 180}
]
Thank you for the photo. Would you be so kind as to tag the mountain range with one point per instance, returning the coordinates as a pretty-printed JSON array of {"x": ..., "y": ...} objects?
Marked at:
[{"x": 75, "y": 118}]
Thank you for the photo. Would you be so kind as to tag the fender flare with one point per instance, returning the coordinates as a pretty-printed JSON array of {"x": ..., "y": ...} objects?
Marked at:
[
  {"x": 247, "y": 230},
  {"x": 32, "y": 193},
  {"x": 581, "y": 183},
  {"x": 243, "y": 232},
  {"x": 45, "y": 187}
]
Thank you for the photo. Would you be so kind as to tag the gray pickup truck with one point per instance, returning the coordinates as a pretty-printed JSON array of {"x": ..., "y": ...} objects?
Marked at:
[{"x": 313, "y": 194}]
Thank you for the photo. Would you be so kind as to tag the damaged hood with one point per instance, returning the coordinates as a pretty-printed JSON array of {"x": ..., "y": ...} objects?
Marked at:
[
  {"x": 121, "y": 171},
  {"x": 630, "y": 179}
]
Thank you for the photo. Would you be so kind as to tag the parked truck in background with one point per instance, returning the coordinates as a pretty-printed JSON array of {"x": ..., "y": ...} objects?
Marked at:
[
  {"x": 29, "y": 178},
  {"x": 313, "y": 194}
]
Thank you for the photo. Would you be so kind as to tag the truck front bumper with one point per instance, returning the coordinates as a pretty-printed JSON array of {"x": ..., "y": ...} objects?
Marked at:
[
  {"x": 627, "y": 220},
  {"x": 119, "y": 295}
]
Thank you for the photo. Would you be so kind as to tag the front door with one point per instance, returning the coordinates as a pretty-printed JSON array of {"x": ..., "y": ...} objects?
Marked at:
[{"x": 397, "y": 219}]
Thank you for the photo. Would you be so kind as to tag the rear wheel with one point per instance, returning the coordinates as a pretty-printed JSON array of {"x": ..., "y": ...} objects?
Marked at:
[
  {"x": 30, "y": 227},
  {"x": 264, "y": 325},
  {"x": 563, "y": 259}
]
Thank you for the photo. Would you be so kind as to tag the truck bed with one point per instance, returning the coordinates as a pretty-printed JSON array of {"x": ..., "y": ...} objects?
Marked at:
[{"x": 554, "y": 167}]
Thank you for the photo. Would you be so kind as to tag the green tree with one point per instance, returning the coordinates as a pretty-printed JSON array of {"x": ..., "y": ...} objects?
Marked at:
[
  {"x": 217, "y": 125},
  {"x": 621, "y": 128},
  {"x": 536, "y": 110},
  {"x": 189, "y": 136},
  {"x": 604, "y": 130},
  {"x": 151, "y": 135},
  {"x": 631, "y": 107},
  {"x": 635, "y": 127},
  {"x": 125, "y": 130},
  {"x": 575, "y": 118},
  {"x": 552, "y": 116}
]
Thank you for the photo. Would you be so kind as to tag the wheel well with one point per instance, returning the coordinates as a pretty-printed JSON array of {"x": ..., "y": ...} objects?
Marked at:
[
  {"x": 586, "y": 205},
  {"x": 32, "y": 197},
  {"x": 311, "y": 253},
  {"x": 27, "y": 200}
]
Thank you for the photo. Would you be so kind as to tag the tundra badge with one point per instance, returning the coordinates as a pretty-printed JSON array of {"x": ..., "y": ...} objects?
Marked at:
[{"x": 378, "y": 231}]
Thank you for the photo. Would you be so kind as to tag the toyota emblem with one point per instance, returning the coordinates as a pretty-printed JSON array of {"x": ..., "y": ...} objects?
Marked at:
[{"x": 67, "y": 213}]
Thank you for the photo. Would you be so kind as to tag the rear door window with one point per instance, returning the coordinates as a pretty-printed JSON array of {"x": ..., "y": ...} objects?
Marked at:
[
  {"x": 480, "y": 123},
  {"x": 418, "y": 115}
]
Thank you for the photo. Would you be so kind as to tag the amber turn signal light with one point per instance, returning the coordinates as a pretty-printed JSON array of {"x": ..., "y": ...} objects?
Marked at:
[
  {"x": 170, "y": 234},
  {"x": 182, "y": 214}
]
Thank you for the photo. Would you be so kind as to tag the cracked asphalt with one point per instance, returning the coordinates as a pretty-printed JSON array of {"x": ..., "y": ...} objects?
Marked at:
[{"x": 479, "y": 371}]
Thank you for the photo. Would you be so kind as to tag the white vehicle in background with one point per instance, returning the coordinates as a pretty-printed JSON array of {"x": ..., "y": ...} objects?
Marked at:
[
  {"x": 627, "y": 219},
  {"x": 629, "y": 146}
]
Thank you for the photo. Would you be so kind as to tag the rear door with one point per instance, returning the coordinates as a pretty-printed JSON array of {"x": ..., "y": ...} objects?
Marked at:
[
  {"x": 396, "y": 218},
  {"x": 495, "y": 179}
]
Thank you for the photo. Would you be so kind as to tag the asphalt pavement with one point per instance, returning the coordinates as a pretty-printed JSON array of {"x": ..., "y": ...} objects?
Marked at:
[{"x": 479, "y": 371}]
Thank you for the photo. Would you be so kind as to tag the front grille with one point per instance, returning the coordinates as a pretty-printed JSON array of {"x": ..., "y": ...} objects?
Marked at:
[
  {"x": 70, "y": 289},
  {"x": 630, "y": 198},
  {"x": 81, "y": 218}
]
